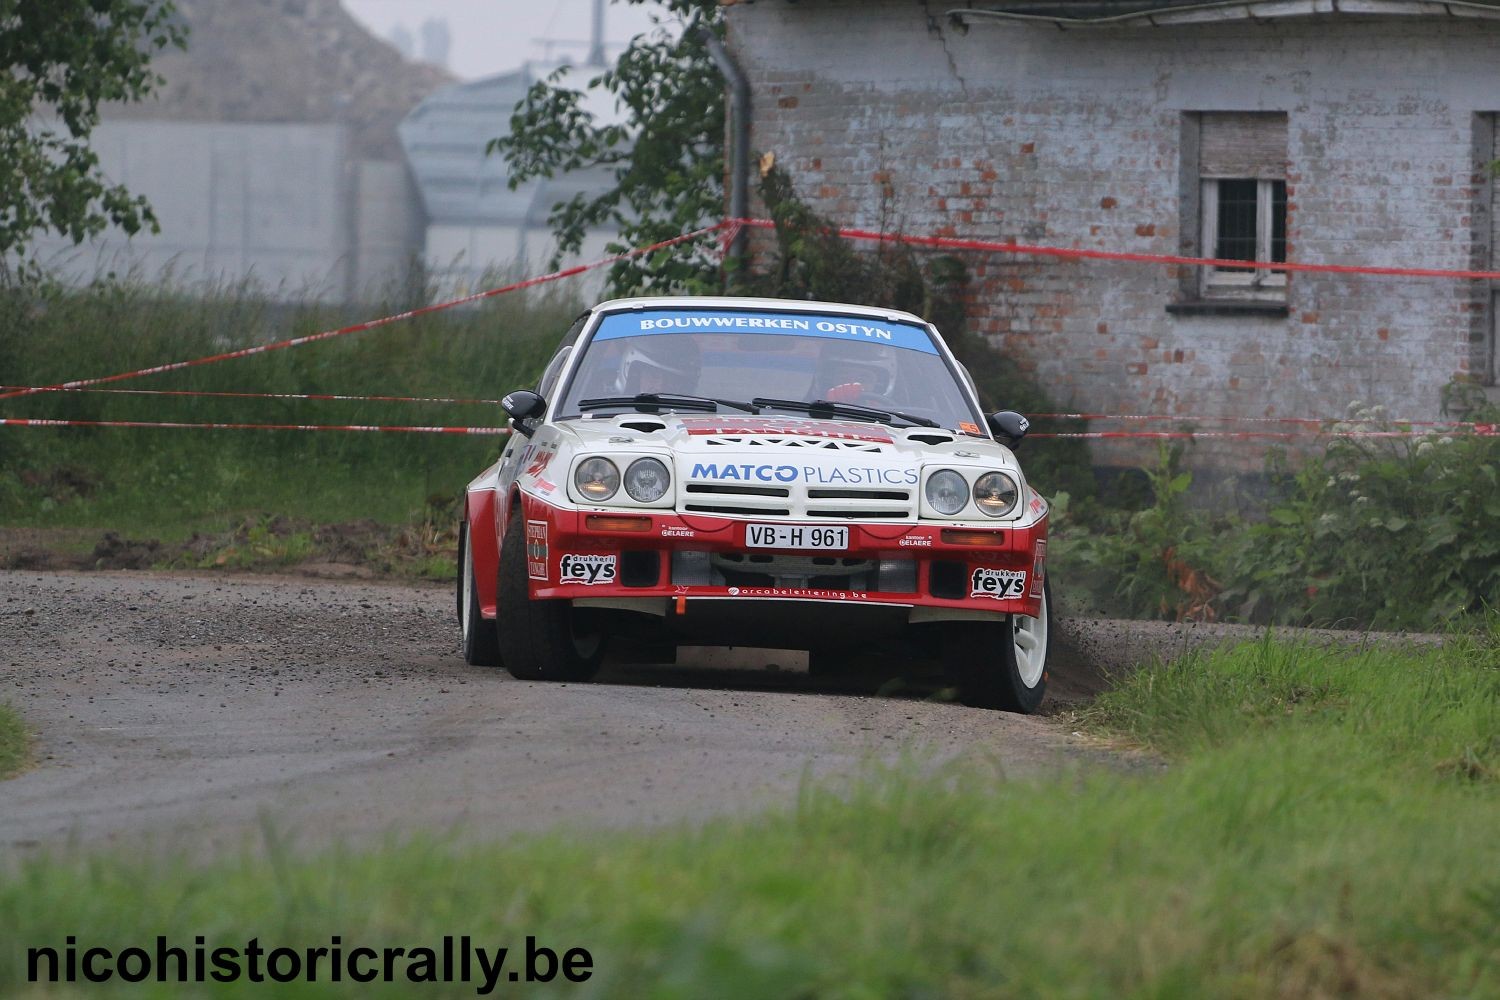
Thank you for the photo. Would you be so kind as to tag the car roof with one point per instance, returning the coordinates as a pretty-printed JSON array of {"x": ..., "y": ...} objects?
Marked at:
[{"x": 763, "y": 304}]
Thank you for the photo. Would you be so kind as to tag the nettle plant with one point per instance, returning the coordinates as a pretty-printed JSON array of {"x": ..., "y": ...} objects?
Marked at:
[{"x": 1396, "y": 532}]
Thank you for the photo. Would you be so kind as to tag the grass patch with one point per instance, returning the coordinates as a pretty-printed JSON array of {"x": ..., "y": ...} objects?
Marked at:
[
  {"x": 168, "y": 484},
  {"x": 14, "y": 742},
  {"x": 1328, "y": 828}
]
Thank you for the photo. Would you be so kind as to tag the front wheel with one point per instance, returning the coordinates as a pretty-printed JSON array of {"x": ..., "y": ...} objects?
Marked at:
[
  {"x": 480, "y": 646},
  {"x": 540, "y": 640},
  {"x": 1001, "y": 664}
]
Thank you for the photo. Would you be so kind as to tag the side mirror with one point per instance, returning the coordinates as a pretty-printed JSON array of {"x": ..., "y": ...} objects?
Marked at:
[
  {"x": 1009, "y": 426},
  {"x": 523, "y": 405}
]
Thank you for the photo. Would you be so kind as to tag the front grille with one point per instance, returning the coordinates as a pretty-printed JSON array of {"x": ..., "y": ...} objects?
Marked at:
[
  {"x": 732, "y": 489},
  {"x": 708, "y": 508},
  {"x": 805, "y": 572},
  {"x": 861, "y": 513},
  {"x": 820, "y": 494}
]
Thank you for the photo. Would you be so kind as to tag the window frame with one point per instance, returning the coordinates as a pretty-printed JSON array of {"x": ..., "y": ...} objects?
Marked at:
[{"x": 1259, "y": 284}]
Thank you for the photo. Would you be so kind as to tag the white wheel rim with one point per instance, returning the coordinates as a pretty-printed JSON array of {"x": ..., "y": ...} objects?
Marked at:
[
  {"x": 468, "y": 587},
  {"x": 1029, "y": 635}
]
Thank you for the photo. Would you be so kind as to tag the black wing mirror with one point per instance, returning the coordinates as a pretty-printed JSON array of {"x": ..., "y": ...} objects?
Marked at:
[
  {"x": 523, "y": 405},
  {"x": 1009, "y": 426}
]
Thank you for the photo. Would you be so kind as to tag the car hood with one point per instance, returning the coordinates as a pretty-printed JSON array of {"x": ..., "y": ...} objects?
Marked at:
[{"x": 745, "y": 443}]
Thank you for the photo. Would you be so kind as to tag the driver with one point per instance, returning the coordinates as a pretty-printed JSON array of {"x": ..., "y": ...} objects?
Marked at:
[
  {"x": 660, "y": 363},
  {"x": 849, "y": 373}
]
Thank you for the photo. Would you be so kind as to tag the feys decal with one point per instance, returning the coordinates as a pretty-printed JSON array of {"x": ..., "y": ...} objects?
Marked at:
[
  {"x": 588, "y": 569},
  {"x": 999, "y": 584}
]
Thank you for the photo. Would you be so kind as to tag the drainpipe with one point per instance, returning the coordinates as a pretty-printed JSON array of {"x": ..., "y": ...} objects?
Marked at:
[{"x": 739, "y": 127}]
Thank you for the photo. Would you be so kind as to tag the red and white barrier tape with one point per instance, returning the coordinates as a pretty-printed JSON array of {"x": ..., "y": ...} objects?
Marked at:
[
  {"x": 729, "y": 230},
  {"x": 374, "y": 323},
  {"x": 476, "y": 431},
  {"x": 1314, "y": 422},
  {"x": 1079, "y": 253},
  {"x": 1479, "y": 430},
  {"x": 319, "y": 396}
]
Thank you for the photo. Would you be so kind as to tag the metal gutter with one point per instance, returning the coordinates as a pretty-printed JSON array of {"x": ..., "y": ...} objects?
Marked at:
[
  {"x": 739, "y": 127},
  {"x": 1219, "y": 11}
]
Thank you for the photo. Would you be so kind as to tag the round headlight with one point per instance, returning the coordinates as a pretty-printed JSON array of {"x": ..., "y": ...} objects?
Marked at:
[
  {"x": 995, "y": 493},
  {"x": 647, "y": 480},
  {"x": 597, "y": 479},
  {"x": 947, "y": 492}
]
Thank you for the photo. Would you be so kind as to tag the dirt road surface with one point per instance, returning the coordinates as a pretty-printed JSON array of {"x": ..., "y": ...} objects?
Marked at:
[{"x": 182, "y": 712}]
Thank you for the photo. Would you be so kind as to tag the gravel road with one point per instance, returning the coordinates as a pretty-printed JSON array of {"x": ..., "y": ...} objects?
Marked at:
[{"x": 178, "y": 711}]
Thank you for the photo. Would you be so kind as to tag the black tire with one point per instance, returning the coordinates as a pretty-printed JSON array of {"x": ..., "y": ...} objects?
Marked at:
[
  {"x": 539, "y": 640},
  {"x": 982, "y": 658},
  {"x": 480, "y": 645}
]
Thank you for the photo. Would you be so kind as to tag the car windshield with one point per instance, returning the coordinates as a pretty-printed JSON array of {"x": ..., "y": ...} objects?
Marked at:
[{"x": 771, "y": 357}]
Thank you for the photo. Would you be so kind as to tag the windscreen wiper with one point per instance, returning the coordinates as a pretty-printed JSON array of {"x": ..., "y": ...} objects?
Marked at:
[
  {"x": 817, "y": 406},
  {"x": 654, "y": 402}
]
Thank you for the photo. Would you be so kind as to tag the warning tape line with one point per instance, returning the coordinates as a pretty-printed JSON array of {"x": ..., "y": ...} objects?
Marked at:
[
  {"x": 1479, "y": 430},
  {"x": 1297, "y": 421},
  {"x": 728, "y": 229},
  {"x": 374, "y": 323},
  {"x": 1035, "y": 250},
  {"x": 260, "y": 395},
  {"x": 476, "y": 431}
]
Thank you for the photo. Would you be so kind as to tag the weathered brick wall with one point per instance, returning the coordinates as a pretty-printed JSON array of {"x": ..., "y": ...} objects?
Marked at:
[{"x": 887, "y": 116}]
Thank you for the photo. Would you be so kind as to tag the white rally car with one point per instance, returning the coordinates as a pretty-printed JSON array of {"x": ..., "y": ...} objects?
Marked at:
[{"x": 758, "y": 472}]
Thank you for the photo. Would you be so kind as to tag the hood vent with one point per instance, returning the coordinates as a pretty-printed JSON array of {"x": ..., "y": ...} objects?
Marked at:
[
  {"x": 644, "y": 426},
  {"x": 832, "y": 444},
  {"x": 931, "y": 437}
]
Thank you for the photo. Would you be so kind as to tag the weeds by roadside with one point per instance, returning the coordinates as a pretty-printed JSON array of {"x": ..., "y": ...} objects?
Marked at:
[
  {"x": 14, "y": 741},
  {"x": 170, "y": 485},
  {"x": 1385, "y": 533}
]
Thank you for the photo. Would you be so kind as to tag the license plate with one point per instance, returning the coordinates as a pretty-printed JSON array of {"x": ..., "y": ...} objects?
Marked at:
[{"x": 795, "y": 536}]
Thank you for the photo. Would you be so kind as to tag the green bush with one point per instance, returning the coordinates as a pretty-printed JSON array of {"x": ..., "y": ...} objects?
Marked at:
[{"x": 1398, "y": 532}]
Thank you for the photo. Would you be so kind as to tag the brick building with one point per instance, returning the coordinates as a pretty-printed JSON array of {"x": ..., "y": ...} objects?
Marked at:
[{"x": 1339, "y": 131}]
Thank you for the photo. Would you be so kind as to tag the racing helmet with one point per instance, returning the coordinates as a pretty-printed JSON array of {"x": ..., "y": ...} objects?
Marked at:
[
  {"x": 659, "y": 363},
  {"x": 854, "y": 370}
]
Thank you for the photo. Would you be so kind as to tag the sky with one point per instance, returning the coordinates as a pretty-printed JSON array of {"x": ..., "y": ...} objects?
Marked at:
[{"x": 493, "y": 36}]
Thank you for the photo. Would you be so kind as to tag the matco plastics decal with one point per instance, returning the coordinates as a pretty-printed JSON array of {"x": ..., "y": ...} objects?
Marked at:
[
  {"x": 1000, "y": 584},
  {"x": 587, "y": 569},
  {"x": 536, "y": 549},
  {"x": 851, "y": 476}
]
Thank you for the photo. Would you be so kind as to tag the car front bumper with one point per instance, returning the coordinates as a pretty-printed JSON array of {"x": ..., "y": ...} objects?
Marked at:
[{"x": 663, "y": 562}]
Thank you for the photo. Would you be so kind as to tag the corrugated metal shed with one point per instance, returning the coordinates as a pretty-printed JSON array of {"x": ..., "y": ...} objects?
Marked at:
[{"x": 445, "y": 139}]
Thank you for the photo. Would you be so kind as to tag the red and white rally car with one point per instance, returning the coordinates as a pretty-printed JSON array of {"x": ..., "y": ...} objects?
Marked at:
[{"x": 757, "y": 472}]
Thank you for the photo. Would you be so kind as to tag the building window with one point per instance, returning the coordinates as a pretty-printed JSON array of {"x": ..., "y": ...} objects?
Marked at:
[{"x": 1242, "y": 203}]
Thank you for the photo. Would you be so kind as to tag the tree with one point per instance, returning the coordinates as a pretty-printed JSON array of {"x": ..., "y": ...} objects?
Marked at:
[
  {"x": 666, "y": 157},
  {"x": 63, "y": 59}
]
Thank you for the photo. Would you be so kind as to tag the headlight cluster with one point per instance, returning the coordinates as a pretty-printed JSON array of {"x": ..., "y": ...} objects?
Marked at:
[
  {"x": 994, "y": 493},
  {"x": 598, "y": 479}
]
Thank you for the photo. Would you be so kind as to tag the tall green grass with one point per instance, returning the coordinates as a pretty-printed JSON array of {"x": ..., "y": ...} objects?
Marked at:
[
  {"x": 13, "y": 741},
  {"x": 1326, "y": 827},
  {"x": 162, "y": 481}
]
